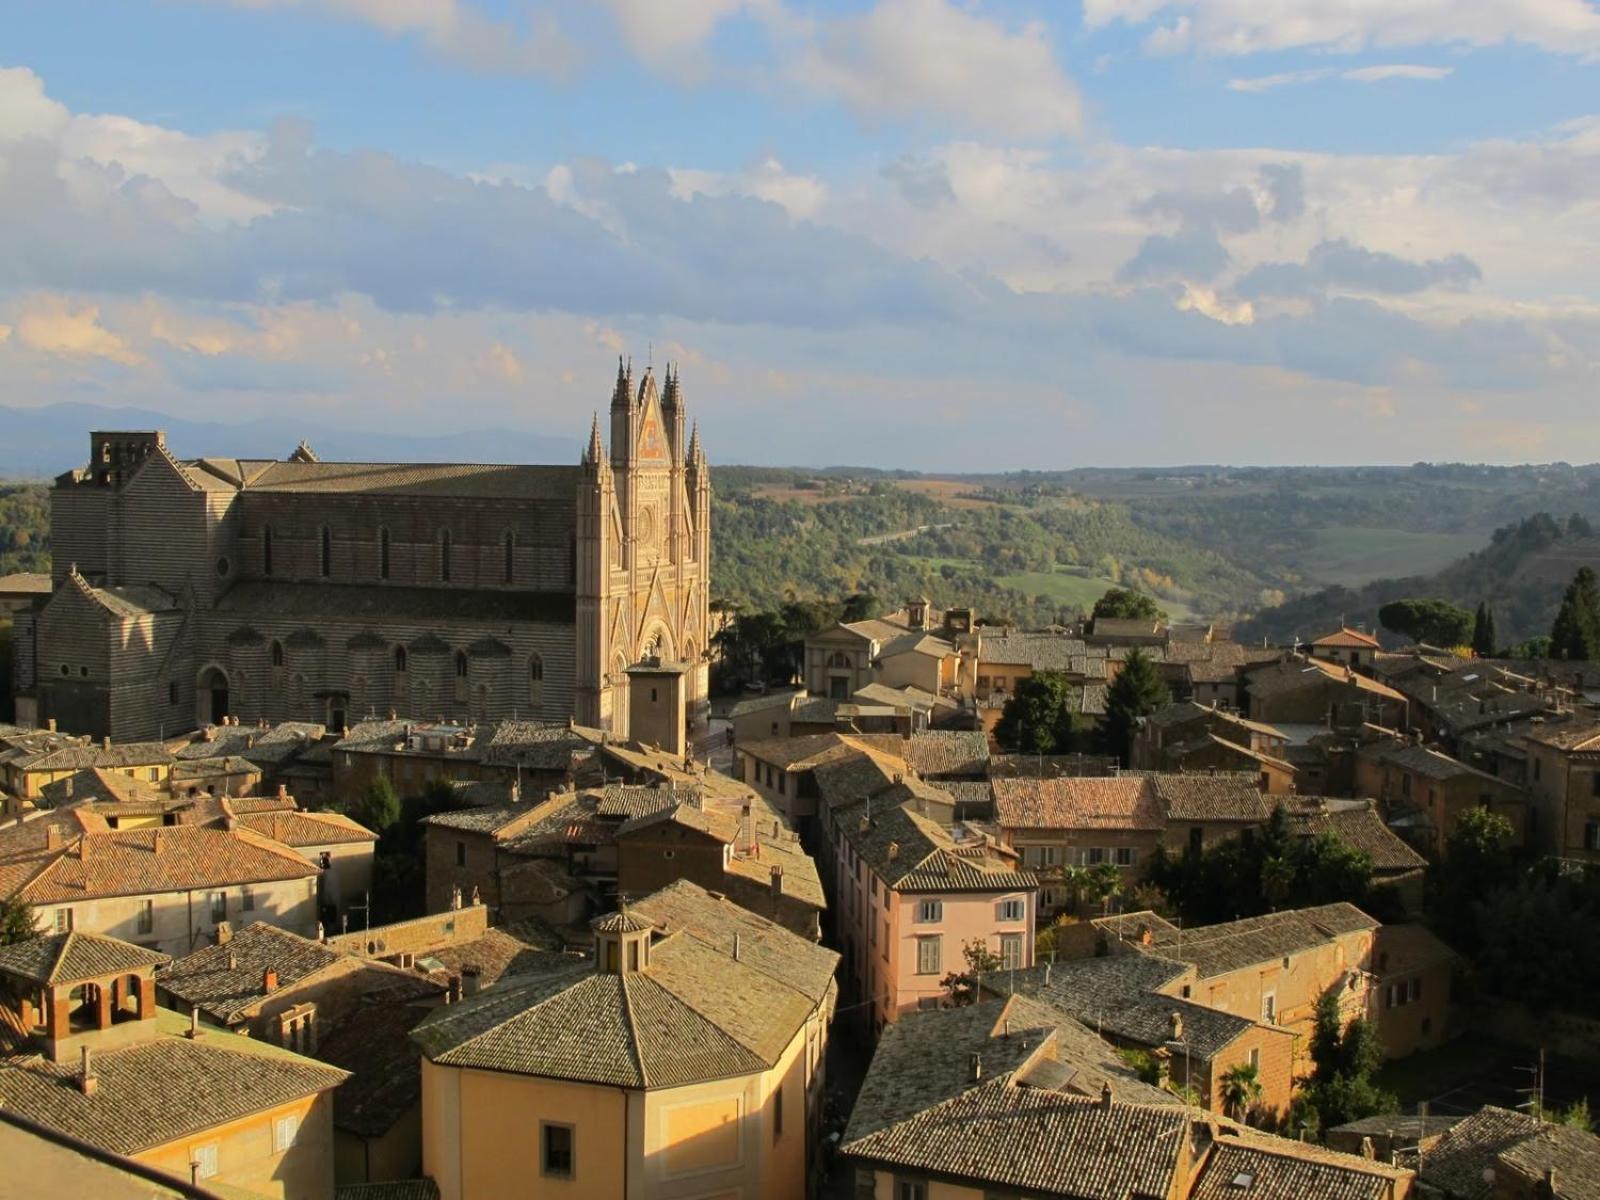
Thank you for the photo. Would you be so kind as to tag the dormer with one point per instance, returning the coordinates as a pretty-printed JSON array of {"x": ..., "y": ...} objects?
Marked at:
[
  {"x": 73, "y": 992},
  {"x": 621, "y": 942}
]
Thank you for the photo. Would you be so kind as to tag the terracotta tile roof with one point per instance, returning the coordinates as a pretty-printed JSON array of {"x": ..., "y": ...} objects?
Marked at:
[
  {"x": 1039, "y": 1140},
  {"x": 925, "y": 1059},
  {"x": 78, "y": 758},
  {"x": 1126, "y": 802},
  {"x": 104, "y": 786},
  {"x": 73, "y": 957},
  {"x": 800, "y": 753},
  {"x": 912, "y": 853},
  {"x": 1038, "y": 651},
  {"x": 308, "y": 828},
  {"x": 1457, "y": 1162},
  {"x": 1577, "y": 735},
  {"x": 285, "y": 740},
  {"x": 135, "y": 862},
  {"x": 1255, "y": 1167},
  {"x": 487, "y": 819},
  {"x": 1226, "y": 796},
  {"x": 1359, "y": 826},
  {"x": 1299, "y": 673},
  {"x": 1348, "y": 639},
  {"x": 373, "y": 1043},
  {"x": 936, "y": 752},
  {"x": 695, "y": 1013},
  {"x": 163, "y": 1089},
  {"x": 227, "y": 980},
  {"x": 539, "y": 745},
  {"x": 1218, "y": 949},
  {"x": 1429, "y": 763},
  {"x": 498, "y": 952}
]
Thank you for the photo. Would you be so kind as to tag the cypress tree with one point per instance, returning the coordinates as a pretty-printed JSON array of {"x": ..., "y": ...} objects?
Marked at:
[
  {"x": 1483, "y": 635},
  {"x": 1136, "y": 692},
  {"x": 1576, "y": 632}
]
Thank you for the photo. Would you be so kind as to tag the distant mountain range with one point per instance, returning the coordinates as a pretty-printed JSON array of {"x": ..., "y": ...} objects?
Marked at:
[{"x": 39, "y": 443}]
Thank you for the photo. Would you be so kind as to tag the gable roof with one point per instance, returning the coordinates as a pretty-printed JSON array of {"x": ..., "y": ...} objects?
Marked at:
[
  {"x": 1226, "y": 796},
  {"x": 1361, "y": 826},
  {"x": 1248, "y": 1166},
  {"x": 296, "y": 828},
  {"x": 1218, "y": 949},
  {"x": 225, "y": 981},
  {"x": 74, "y": 957},
  {"x": 1348, "y": 639},
  {"x": 163, "y": 1089},
  {"x": 177, "y": 858},
  {"x": 1122, "y": 802},
  {"x": 911, "y": 853}
]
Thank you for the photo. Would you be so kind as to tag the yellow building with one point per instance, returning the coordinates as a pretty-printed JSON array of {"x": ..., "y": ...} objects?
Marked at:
[
  {"x": 684, "y": 1059},
  {"x": 84, "y": 1050}
]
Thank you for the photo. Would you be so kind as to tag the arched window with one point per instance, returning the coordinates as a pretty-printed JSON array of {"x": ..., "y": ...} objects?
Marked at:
[
  {"x": 266, "y": 549},
  {"x": 444, "y": 557},
  {"x": 511, "y": 556},
  {"x": 461, "y": 664},
  {"x": 536, "y": 682},
  {"x": 399, "y": 659},
  {"x": 383, "y": 553},
  {"x": 326, "y": 552},
  {"x": 277, "y": 654}
]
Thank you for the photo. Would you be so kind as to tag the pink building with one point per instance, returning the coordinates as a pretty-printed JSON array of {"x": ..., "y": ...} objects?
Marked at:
[{"x": 907, "y": 897}]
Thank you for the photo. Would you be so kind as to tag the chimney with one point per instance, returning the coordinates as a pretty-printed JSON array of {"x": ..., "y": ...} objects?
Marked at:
[
  {"x": 866, "y": 823},
  {"x": 1146, "y": 937},
  {"x": 68, "y": 788},
  {"x": 1105, "y": 1095},
  {"x": 452, "y": 993},
  {"x": 736, "y": 947},
  {"x": 52, "y": 837},
  {"x": 469, "y": 981},
  {"x": 777, "y": 882},
  {"x": 1176, "y": 1019},
  {"x": 269, "y": 979},
  {"x": 283, "y": 791},
  {"x": 88, "y": 1082},
  {"x": 1367, "y": 1150},
  {"x": 194, "y": 1022},
  {"x": 233, "y": 961},
  {"x": 105, "y": 742},
  {"x": 894, "y": 851},
  {"x": 975, "y": 1064},
  {"x": 50, "y": 725}
]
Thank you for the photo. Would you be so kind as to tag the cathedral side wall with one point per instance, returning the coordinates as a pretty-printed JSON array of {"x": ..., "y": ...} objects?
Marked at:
[
  {"x": 166, "y": 536},
  {"x": 541, "y": 553},
  {"x": 78, "y": 515}
]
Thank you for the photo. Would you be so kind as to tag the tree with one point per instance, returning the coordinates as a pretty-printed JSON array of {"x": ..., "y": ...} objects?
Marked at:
[
  {"x": 1127, "y": 604},
  {"x": 1136, "y": 692},
  {"x": 1576, "y": 632},
  {"x": 963, "y": 985},
  {"x": 1345, "y": 1059},
  {"x": 1038, "y": 716},
  {"x": 1436, "y": 622},
  {"x": 1104, "y": 881},
  {"x": 378, "y": 808},
  {"x": 17, "y": 923},
  {"x": 1483, "y": 638},
  {"x": 1241, "y": 1090},
  {"x": 1576, "y": 1115}
]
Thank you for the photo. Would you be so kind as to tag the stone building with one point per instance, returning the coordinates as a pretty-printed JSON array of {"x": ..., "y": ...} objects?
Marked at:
[{"x": 187, "y": 590}]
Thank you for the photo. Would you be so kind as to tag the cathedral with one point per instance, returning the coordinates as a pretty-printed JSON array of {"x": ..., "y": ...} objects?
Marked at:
[{"x": 189, "y": 590}]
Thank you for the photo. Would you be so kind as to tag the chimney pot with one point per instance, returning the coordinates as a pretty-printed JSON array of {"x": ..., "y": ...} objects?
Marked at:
[
  {"x": 894, "y": 851},
  {"x": 452, "y": 989},
  {"x": 194, "y": 1021},
  {"x": 50, "y": 725},
  {"x": 1176, "y": 1019},
  {"x": 269, "y": 980},
  {"x": 233, "y": 961},
  {"x": 283, "y": 791},
  {"x": 105, "y": 742},
  {"x": 976, "y": 1066},
  {"x": 469, "y": 981},
  {"x": 1105, "y": 1095},
  {"x": 88, "y": 1083},
  {"x": 777, "y": 881},
  {"x": 52, "y": 837}
]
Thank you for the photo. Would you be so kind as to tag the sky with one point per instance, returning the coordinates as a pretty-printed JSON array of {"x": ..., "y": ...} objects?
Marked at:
[{"x": 936, "y": 234}]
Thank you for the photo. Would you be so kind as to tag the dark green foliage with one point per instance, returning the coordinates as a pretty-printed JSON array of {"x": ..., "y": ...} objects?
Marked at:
[
  {"x": 1478, "y": 859},
  {"x": 1436, "y": 622},
  {"x": 1136, "y": 692},
  {"x": 1484, "y": 642},
  {"x": 17, "y": 921},
  {"x": 1040, "y": 717},
  {"x": 1345, "y": 1062},
  {"x": 378, "y": 808},
  {"x": 1275, "y": 869},
  {"x": 1576, "y": 631},
  {"x": 24, "y": 527},
  {"x": 768, "y": 647},
  {"x": 1535, "y": 941},
  {"x": 1126, "y": 603}
]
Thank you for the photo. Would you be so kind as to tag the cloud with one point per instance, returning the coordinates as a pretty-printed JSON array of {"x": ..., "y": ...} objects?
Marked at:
[
  {"x": 798, "y": 195},
  {"x": 924, "y": 185},
  {"x": 453, "y": 30},
  {"x": 1193, "y": 253},
  {"x": 920, "y": 59},
  {"x": 1233, "y": 211},
  {"x": 1241, "y": 27},
  {"x": 1285, "y": 185},
  {"x": 25, "y": 110},
  {"x": 671, "y": 35},
  {"x": 54, "y": 325},
  {"x": 1342, "y": 264},
  {"x": 1375, "y": 74}
]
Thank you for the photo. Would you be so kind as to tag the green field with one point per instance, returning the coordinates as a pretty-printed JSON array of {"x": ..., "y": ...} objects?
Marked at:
[
  {"x": 1351, "y": 555},
  {"x": 1067, "y": 588}
]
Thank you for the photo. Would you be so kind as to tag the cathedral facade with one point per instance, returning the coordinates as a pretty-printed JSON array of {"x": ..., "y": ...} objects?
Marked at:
[{"x": 188, "y": 590}]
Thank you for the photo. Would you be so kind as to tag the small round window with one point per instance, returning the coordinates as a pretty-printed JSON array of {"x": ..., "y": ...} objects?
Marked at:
[{"x": 223, "y": 565}]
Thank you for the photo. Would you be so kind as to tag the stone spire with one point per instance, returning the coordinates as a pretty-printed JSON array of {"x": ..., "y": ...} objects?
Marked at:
[
  {"x": 697, "y": 454},
  {"x": 670, "y": 397},
  {"x": 595, "y": 454},
  {"x": 622, "y": 395}
]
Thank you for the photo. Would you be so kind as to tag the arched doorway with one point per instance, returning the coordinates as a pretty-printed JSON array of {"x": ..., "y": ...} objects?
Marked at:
[{"x": 211, "y": 696}]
